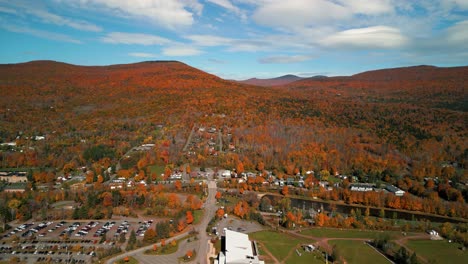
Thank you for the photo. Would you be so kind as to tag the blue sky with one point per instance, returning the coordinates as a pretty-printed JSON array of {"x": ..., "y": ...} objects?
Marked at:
[{"x": 238, "y": 39}]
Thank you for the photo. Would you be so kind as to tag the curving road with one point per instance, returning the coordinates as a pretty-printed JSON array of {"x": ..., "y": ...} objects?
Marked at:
[{"x": 202, "y": 251}]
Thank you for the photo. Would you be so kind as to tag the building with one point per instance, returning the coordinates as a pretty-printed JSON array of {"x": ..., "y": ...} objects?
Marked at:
[
  {"x": 395, "y": 190},
  {"x": 15, "y": 187},
  {"x": 236, "y": 248},
  {"x": 362, "y": 187},
  {"x": 13, "y": 177}
]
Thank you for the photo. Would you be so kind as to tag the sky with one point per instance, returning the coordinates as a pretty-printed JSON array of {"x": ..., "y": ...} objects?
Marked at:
[{"x": 239, "y": 39}]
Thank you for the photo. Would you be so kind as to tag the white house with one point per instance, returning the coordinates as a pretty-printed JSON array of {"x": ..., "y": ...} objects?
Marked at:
[
  {"x": 226, "y": 174},
  {"x": 395, "y": 190},
  {"x": 236, "y": 248}
]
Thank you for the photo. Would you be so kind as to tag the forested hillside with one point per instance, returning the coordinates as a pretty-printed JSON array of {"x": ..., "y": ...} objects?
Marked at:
[{"x": 397, "y": 125}]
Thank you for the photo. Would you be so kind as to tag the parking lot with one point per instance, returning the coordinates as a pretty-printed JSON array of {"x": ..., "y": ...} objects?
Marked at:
[
  {"x": 65, "y": 241},
  {"x": 236, "y": 224}
]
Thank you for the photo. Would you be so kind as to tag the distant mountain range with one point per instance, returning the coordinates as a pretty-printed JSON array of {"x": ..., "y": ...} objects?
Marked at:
[{"x": 282, "y": 80}]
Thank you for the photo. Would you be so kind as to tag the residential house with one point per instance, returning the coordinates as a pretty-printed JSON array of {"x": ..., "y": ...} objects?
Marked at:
[{"x": 395, "y": 190}]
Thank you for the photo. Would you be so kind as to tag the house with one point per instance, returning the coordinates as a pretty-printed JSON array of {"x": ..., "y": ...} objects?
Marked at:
[
  {"x": 362, "y": 187},
  {"x": 236, "y": 248},
  {"x": 226, "y": 174},
  {"x": 79, "y": 186},
  {"x": 395, "y": 190},
  {"x": 290, "y": 181}
]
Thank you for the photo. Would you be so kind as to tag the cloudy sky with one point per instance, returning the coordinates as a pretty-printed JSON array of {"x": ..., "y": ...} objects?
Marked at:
[{"x": 239, "y": 38}]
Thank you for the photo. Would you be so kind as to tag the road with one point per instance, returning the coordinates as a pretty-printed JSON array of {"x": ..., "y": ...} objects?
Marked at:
[
  {"x": 202, "y": 252},
  {"x": 210, "y": 210}
]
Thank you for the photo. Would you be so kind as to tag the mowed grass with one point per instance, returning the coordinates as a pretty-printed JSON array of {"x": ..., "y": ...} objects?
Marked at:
[
  {"x": 279, "y": 244},
  {"x": 438, "y": 251},
  {"x": 157, "y": 169},
  {"x": 197, "y": 216},
  {"x": 315, "y": 257},
  {"x": 348, "y": 233},
  {"x": 358, "y": 252}
]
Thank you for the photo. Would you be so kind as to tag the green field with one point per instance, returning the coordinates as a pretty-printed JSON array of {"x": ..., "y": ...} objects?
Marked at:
[
  {"x": 156, "y": 169},
  {"x": 315, "y": 257},
  {"x": 357, "y": 252},
  {"x": 439, "y": 251},
  {"x": 347, "y": 233},
  {"x": 280, "y": 244},
  {"x": 197, "y": 216}
]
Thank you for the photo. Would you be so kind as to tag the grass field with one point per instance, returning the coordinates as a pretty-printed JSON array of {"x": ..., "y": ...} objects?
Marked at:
[
  {"x": 315, "y": 257},
  {"x": 358, "y": 252},
  {"x": 347, "y": 233},
  {"x": 197, "y": 216},
  {"x": 439, "y": 251},
  {"x": 280, "y": 244},
  {"x": 156, "y": 169}
]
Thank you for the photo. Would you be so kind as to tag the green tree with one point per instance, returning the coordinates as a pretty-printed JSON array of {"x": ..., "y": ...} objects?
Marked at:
[
  {"x": 122, "y": 238},
  {"x": 336, "y": 254},
  {"x": 382, "y": 213}
]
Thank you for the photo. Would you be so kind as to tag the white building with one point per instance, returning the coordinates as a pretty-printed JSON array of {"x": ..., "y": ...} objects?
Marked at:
[
  {"x": 236, "y": 248},
  {"x": 395, "y": 190}
]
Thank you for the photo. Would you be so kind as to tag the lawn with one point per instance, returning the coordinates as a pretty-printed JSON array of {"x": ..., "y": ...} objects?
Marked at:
[
  {"x": 438, "y": 251},
  {"x": 157, "y": 169},
  {"x": 357, "y": 252},
  {"x": 279, "y": 244},
  {"x": 197, "y": 216},
  {"x": 347, "y": 233},
  {"x": 315, "y": 257}
]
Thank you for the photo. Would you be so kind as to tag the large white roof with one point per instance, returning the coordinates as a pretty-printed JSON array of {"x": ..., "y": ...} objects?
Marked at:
[{"x": 238, "y": 247}]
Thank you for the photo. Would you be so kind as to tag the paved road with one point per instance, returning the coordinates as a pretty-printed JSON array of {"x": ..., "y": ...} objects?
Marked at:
[
  {"x": 184, "y": 246},
  {"x": 210, "y": 210},
  {"x": 143, "y": 249},
  {"x": 202, "y": 251}
]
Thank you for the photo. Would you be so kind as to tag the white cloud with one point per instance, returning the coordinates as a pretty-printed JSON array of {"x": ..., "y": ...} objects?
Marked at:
[
  {"x": 142, "y": 55},
  {"x": 225, "y": 4},
  {"x": 171, "y": 14},
  {"x": 48, "y": 17},
  {"x": 380, "y": 37},
  {"x": 284, "y": 59},
  {"x": 134, "y": 38},
  {"x": 37, "y": 10},
  {"x": 374, "y": 7},
  {"x": 229, "y": 6},
  {"x": 462, "y": 4},
  {"x": 209, "y": 40},
  {"x": 40, "y": 33},
  {"x": 458, "y": 34},
  {"x": 180, "y": 51},
  {"x": 7, "y": 10},
  {"x": 299, "y": 13}
]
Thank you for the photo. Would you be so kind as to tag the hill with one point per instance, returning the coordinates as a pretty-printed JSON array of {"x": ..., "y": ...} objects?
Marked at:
[
  {"x": 428, "y": 85},
  {"x": 282, "y": 80},
  {"x": 379, "y": 125}
]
